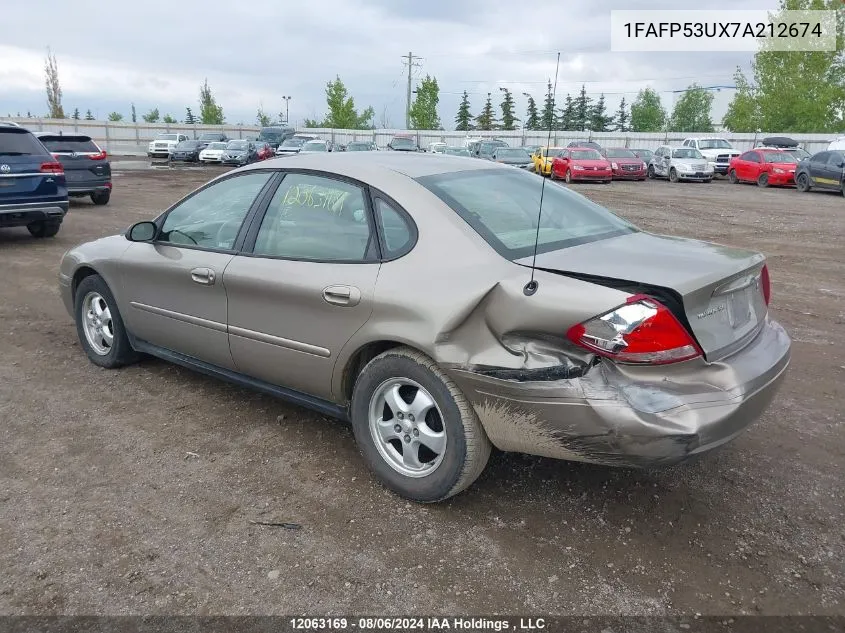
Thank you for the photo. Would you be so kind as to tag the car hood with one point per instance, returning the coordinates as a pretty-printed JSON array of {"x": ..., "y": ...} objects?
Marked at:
[
  {"x": 697, "y": 272},
  {"x": 688, "y": 162}
]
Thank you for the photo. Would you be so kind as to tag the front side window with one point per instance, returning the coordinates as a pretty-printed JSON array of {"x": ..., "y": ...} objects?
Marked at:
[
  {"x": 316, "y": 218},
  {"x": 503, "y": 209},
  {"x": 212, "y": 217},
  {"x": 835, "y": 159},
  {"x": 821, "y": 157}
]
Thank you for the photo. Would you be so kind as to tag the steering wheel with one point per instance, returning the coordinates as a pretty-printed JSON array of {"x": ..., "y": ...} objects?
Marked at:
[{"x": 221, "y": 232}]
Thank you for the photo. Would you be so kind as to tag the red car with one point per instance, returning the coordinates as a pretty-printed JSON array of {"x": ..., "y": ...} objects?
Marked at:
[
  {"x": 263, "y": 151},
  {"x": 625, "y": 164},
  {"x": 765, "y": 167},
  {"x": 581, "y": 163}
]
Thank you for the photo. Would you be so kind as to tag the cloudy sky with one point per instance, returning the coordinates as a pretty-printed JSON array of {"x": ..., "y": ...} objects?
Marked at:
[{"x": 156, "y": 53}]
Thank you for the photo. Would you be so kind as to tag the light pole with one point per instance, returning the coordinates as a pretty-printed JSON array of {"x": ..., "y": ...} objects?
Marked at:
[{"x": 287, "y": 99}]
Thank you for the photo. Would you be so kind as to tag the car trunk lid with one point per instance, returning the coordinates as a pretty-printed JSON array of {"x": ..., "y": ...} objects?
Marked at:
[{"x": 719, "y": 288}]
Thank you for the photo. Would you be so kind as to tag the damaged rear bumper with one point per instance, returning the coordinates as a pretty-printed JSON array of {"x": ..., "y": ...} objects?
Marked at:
[{"x": 626, "y": 415}]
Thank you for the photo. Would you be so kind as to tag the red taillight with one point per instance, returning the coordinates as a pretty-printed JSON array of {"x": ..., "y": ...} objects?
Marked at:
[
  {"x": 52, "y": 167},
  {"x": 100, "y": 156},
  {"x": 642, "y": 331},
  {"x": 764, "y": 281}
]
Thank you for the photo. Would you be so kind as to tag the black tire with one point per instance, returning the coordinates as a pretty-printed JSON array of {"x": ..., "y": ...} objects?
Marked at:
[
  {"x": 101, "y": 197},
  {"x": 650, "y": 171},
  {"x": 673, "y": 175},
  {"x": 708, "y": 180},
  {"x": 802, "y": 183},
  {"x": 120, "y": 352},
  {"x": 568, "y": 177},
  {"x": 733, "y": 177},
  {"x": 44, "y": 229},
  {"x": 467, "y": 445},
  {"x": 763, "y": 180}
]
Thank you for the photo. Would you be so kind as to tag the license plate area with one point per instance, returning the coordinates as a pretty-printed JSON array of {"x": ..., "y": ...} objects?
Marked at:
[
  {"x": 8, "y": 182},
  {"x": 740, "y": 307}
]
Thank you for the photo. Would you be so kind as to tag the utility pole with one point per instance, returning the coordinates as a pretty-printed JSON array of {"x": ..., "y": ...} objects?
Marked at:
[{"x": 409, "y": 61}]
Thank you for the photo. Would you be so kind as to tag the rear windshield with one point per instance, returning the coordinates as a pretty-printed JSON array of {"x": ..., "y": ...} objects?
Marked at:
[
  {"x": 314, "y": 146},
  {"x": 714, "y": 143},
  {"x": 516, "y": 154},
  {"x": 294, "y": 142},
  {"x": 403, "y": 142},
  {"x": 620, "y": 153},
  {"x": 778, "y": 157},
  {"x": 166, "y": 137},
  {"x": 503, "y": 209},
  {"x": 358, "y": 147},
  {"x": 19, "y": 142},
  {"x": 60, "y": 144}
]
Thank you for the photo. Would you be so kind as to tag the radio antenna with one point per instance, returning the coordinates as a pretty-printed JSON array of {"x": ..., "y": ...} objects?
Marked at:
[{"x": 531, "y": 287}]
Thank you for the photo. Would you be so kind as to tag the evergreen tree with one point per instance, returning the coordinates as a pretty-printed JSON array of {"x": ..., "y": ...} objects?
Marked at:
[
  {"x": 486, "y": 120},
  {"x": 582, "y": 110},
  {"x": 75, "y": 114},
  {"x": 133, "y": 115},
  {"x": 567, "y": 114},
  {"x": 508, "y": 116},
  {"x": 599, "y": 120},
  {"x": 547, "y": 114},
  {"x": 532, "y": 118},
  {"x": 463, "y": 120},
  {"x": 622, "y": 117},
  {"x": 190, "y": 119},
  {"x": 89, "y": 116}
]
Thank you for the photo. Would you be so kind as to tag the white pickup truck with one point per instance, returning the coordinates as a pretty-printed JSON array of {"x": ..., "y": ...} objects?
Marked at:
[
  {"x": 163, "y": 144},
  {"x": 717, "y": 151}
]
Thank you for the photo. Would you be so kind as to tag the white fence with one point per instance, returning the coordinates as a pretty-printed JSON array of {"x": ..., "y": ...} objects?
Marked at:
[{"x": 131, "y": 139}]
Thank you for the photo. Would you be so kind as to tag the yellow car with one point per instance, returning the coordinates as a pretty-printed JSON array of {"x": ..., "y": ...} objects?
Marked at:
[{"x": 543, "y": 159}]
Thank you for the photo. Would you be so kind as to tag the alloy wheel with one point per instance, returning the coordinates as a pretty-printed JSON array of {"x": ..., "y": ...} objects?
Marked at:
[{"x": 97, "y": 323}]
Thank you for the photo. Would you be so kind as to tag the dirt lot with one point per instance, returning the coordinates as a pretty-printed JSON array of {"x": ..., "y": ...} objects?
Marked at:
[{"x": 134, "y": 491}]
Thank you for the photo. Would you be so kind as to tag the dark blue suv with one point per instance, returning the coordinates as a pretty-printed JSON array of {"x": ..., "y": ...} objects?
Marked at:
[{"x": 33, "y": 190}]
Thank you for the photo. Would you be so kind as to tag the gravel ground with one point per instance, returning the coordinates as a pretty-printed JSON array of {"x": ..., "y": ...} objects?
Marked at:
[{"x": 135, "y": 491}]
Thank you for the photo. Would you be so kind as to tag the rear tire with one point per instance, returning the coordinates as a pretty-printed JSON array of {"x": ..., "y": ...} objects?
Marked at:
[
  {"x": 763, "y": 180},
  {"x": 732, "y": 176},
  {"x": 44, "y": 229},
  {"x": 673, "y": 175},
  {"x": 650, "y": 171},
  {"x": 115, "y": 350},
  {"x": 101, "y": 197},
  {"x": 412, "y": 377}
]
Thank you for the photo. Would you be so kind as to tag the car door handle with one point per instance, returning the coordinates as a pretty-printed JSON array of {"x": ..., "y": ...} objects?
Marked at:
[
  {"x": 204, "y": 276},
  {"x": 342, "y": 295}
]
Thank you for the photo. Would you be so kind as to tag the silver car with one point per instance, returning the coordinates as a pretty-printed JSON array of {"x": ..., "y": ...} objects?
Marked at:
[
  {"x": 397, "y": 291},
  {"x": 679, "y": 163}
]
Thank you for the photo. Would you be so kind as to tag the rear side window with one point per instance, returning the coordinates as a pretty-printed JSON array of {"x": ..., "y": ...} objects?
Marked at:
[
  {"x": 398, "y": 234},
  {"x": 835, "y": 159},
  {"x": 18, "y": 142},
  {"x": 821, "y": 157},
  {"x": 62, "y": 144}
]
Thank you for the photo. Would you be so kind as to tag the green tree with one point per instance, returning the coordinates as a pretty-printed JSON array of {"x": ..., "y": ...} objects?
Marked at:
[
  {"x": 76, "y": 116},
  {"x": 262, "y": 118},
  {"x": 647, "y": 113},
  {"x": 621, "y": 118},
  {"x": 190, "y": 118},
  {"x": 152, "y": 116},
  {"x": 582, "y": 109},
  {"x": 547, "y": 114},
  {"x": 567, "y": 114},
  {"x": 486, "y": 119},
  {"x": 795, "y": 91},
  {"x": 463, "y": 120},
  {"x": 132, "y": 114},
  {"x": 743, "y": 113},
  {"x": 54, "y": 88},
  {"x": 89, "y": 116},
  {"x": 210, "y": 112},
  {"x": 28, "y": 114},
  {"x": 115, "y": 116},
  {"x": 599, "y": 119},
  {"x": 692, "y": 111},
  {"x": 508, "y": 115},
  {"x": 170, "y": 119},
  {"x": 341, "y": 113},
  {"x": 424, "y": 108},
  {"x": 532, "y": 117}
]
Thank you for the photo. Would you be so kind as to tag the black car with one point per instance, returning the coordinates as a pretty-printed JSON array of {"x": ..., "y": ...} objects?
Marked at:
[
  {"x": 361, "y": 146},
  {"x": 645, "y": 154},
  {"x": 188, "y": 151},
  {"x": 824, "y": 171},
  {"x": 86, "y": 165},
  {"x": 240, "y": 153},
  {"x": 403, "y": 144},
  {"x": 33, "y": 189},
  {"x": 485, "y": 148},
  {"x": 207, "y": 138},
  {"x": 275, "y": 135},
  {"x": 590, "y": 144}
]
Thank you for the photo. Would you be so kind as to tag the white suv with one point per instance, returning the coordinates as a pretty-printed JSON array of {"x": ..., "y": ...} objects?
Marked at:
[
  {"x": 163, "y": 144},
  {"x": 717, "y": 151}
]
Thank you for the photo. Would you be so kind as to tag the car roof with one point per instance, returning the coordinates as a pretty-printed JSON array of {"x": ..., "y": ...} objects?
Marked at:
[{"x": 376, "y": 166}]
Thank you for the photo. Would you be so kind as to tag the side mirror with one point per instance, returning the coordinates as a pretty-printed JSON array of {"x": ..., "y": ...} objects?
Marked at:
[{"x": 142, "y": 232}]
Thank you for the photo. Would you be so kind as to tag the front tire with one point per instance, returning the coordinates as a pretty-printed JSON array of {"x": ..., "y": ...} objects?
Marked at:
[
  {"x": 763, "y": 180},
  {"x": 440, "y": 447},
  {"x": 99, "y": 325},
  {"x": 44, "y": 229},
  {"x": 650, "y": 172},
  {"x": 673, "y": 175}
]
